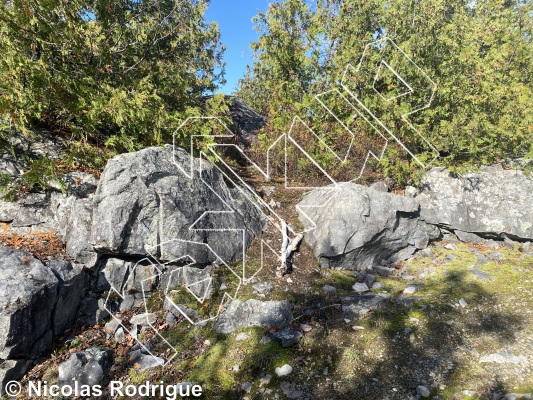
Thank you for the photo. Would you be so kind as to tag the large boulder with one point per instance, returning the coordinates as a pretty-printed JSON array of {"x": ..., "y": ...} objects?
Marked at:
[
  {"x": 355, "y": 226},
  {"x": 37, "y": 302},
  {"x": 491, "y": 202},
  {"x": 19, "y": 148},
  {"x": 146, "y": 205},
  {"x": 31, "y": 211}
]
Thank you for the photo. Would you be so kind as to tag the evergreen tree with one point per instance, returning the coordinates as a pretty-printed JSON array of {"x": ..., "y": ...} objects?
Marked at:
[
  {"x": 120, "y": 72},
  {"x": 479, "y": 54}
]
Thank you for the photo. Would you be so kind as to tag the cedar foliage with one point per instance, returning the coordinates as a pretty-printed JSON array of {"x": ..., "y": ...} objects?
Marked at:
[
  {"x": 479, "y": 53},
  {"x": 109, "y": 76},
  {"x": 120, "y": 71}
]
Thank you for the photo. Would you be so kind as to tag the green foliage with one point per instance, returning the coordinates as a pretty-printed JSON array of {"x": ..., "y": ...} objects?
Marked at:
[
  {"x": 478, "y": 53},
  {"x": 123, "y": 74},
  {"x": 41, "y": 175}
]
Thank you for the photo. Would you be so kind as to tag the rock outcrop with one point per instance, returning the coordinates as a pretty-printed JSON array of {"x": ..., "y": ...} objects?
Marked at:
[
  {"x": 491, "y": 203},
  {"x": 355, "y": 226},
  {"x": 246, "y": 122},
  {"x": 144, "y": 202},
  {"x": 37, "y": 303},
  {"x": 143, "y": 206}
]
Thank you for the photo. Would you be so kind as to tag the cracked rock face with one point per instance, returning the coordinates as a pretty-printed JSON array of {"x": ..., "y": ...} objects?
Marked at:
[
  {"x": 358, "y": 226},
  {"x": 490, "y": 202},
  {"x": 37, "y": 302},
  {"x": 145, "y": 204}
]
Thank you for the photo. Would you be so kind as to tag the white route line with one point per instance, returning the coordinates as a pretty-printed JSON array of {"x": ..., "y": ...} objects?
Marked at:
[{"x": 269, "y": 214}]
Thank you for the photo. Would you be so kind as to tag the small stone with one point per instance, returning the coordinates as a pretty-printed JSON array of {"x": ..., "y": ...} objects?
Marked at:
[
  {"x": 504, "y": 358},
  {"x": 246, "y": 387},
  {"x": 265, "y": 380},
  {"x": 144, "y": 361},
  {"x": 287, "y": 337},
  {"x": 449, "y": 258},
  {"x": 377, "y": 286},
  {"x": 119, "y": 335},
  {"x": 305, "y": 328},
  {"x": 262, "y": 287},
  {"x": 383, "y": 271},
  {"x": 409, "y": 290},
  {"x": 360, "y": 287},
  {"x": 410, "y": 191},
  {"x": 241, "y": 336},
  {"x": 289, "y": 390},
  {"x": 358, "y": 328},
  {"x": 481, "y": 259},
  {"x": 481, "y": 274},
  {"x": 284, "y": 370},
  {"x": 496, "y": 256},
  {"x": 450, "y": 246},
  {"x": 267, "y": 190},
  {"x": 463, "y": 303},
  {"x": 127, "y": 303},
  {"x": 89, "y": 367},
  {"x": 468, "y": 237},
  {"x": 492, "y": 244},
  {"x": 170, "y": 319},
  {"x": 325, "y": 372},
  {"x": 422, "y": 391},
  {"x": 133, "y": 332},
  {"x": 112, "y": 325},
  {"x": 329, "y": 289},
  {"x": 370, "y": 279},
  {"x": 265, "y": 340},
  {"x": 144, "y": 319},
  {"x": 406, "y": 276},
  {"x": 289, "y": 280},
  {"x": 236, "y": 368}
]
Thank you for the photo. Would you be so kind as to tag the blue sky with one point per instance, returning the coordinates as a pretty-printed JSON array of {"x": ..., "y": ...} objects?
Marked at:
[{"x": 236, "y": 29}]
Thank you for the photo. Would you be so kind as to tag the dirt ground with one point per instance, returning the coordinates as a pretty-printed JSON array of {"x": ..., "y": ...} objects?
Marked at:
[{"x": 461, "y": 313}]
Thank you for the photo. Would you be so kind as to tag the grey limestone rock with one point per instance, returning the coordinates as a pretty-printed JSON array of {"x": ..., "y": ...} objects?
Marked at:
[
  {"x": 490, "y": 202},
  {"x": 87, "y": 367},
  {"x": 146, "y": 205},
  {"x": 357, "y": 226},
  {"x": 254, "y": 313}
]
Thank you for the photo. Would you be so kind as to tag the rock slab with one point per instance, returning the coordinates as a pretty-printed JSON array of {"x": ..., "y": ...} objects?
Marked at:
[
  {"x": 145, "y": 204},
  {"x": 354, "y": 226},
  {"x": 253, "y": 312},
  {"x": 491, "y": 202}
]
